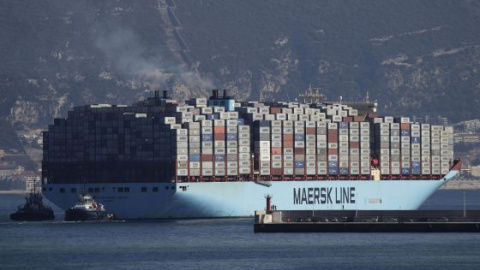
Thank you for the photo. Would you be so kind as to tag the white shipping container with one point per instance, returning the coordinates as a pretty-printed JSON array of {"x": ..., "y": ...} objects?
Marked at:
[{"x": 182, "y": 172}]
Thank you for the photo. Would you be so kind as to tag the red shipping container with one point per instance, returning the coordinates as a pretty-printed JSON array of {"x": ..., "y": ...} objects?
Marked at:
[
  {"x": 299, "y": 151},
  {"x": 332, "y": 139},
  {"x": 276, "y": 171},
  {"x": 276, "y": 151},
  {"x": 358, "y": 118},
  {"x": 347, "y": 119},
  {"x": 219, "y": 129},
  {"x": 274, "y": 110},
  {"x": 405, "y": 126},
  {"x": 310, "y": 130},
  {"x": 333, "y": 151},
  {"x": 288, "y": 144},
  {"x": 354, "y": 144},
  {"x": 287, "y": 137},
  {"x": 207, "y": 157},
  {"x": 332, "y": 133},
  {"x": 219, "y": 136}
]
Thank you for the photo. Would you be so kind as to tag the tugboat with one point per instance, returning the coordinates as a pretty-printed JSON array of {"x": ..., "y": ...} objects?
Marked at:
[
  {"x": 33, "y": 209},
  {"x": 87, "y": 209}
]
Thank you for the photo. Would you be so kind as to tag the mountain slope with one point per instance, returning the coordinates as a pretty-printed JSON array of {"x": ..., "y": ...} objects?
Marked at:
[{"x": 415, "y": 57}]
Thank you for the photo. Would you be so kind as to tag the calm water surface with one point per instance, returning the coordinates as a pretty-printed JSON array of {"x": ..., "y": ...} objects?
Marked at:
[{"x": 228, "y": 244}]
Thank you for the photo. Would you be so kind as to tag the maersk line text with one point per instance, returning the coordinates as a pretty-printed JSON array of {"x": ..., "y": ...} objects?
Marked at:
[{"x": 341, "y": 195}]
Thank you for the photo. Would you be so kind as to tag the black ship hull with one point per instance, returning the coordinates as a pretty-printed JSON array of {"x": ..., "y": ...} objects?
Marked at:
[{"x": 32, "y": 216}]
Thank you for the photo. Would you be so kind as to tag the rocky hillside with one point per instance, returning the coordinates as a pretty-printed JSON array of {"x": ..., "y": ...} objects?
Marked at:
[{"x": 415, "y": 57}]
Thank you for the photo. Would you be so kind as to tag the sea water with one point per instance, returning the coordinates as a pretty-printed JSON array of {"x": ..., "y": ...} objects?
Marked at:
[{"x": 228, "y": 244}]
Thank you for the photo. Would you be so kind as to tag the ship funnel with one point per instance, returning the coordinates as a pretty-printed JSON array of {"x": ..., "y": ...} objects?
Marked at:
[
  {"x": 157, "y": 94},
  {"x": 224, "y": 93},
  {"x": 165, "y": 94},
  {"x": 215, "y": 93}
]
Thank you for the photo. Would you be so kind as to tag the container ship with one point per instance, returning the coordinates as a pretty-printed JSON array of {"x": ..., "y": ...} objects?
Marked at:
[{"x": 216, "y": 157}]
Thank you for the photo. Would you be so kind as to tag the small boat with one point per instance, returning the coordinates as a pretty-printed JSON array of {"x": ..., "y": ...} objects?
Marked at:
[
  {"x": 87, "y": 209},
  {"x": 33, "y": 209}
]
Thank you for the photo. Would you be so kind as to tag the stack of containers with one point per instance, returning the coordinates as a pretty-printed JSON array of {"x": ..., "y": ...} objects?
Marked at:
[
  {"x": 382, "y": 146},
  {"x": 276, "y": 147},
  {"x": 354, "y": 158},
  {"x": 365, "y": 152},
  {"x": 435, "y": 149},
  {"x": 219, "y": 147},
  {"x": 232, "y": 147},
  {"x": 299, "y": 146},
  {"x": 310, "y": 147},
  {"x": 415, "y": 148},
  {"x": 446, "y": 149},
  {"x": 405, "y": 152},
  {"x": 194, "y": 148},
  {"x": 332, "y": 138},
  {"x": 244, "y": 155},
  {"x": 206, "y": 146},
  {"x": 343, "y": 149},
  {"x": 395, "y": 156},
  {"x": 180, "y": 150},
  {"x": 426, "y": 150},
  {"x": 322, "y": 149},
  {"x": 262, "y": 146},
  {"x": 287, "y": 142}
]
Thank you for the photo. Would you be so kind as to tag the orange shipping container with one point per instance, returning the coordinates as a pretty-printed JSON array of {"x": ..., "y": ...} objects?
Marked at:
[
  {"x": 288, "y": 144},
  {"x": 287, "y": 137},
  {"x": 405, "y": 126},
  {"x": 310, "y": 131},
  {"x": 219, "y": 136},
  {"x": 219, "y": 129},
  {"x": 276, "y": 151}
]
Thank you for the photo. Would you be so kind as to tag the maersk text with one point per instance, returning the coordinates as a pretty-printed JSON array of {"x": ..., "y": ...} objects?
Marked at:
[{"x": 341, "y": 195}]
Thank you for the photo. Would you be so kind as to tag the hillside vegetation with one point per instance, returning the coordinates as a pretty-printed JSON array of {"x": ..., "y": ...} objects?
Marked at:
[{"x": 415, "y": 57}]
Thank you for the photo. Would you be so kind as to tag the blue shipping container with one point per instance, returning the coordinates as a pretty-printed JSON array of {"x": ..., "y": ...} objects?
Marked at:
[
  {"x": 332, "y": 171},
  {"x": 405, "y": 171},
  {"x": 415, "y": 139},
  {"x": 332, "y": 164},
  {"x": 299, "y": 137},
  {"x": 240, "y": 121},
  {"x": 232, "y": 136},
  {"x": 194, "y": 157},
  {"x": 299, "y": 164},
  {"x": 207, "y": 137},
  {"x": 344, "y": 171},
  {"x": 405, "y": 132},
  {"x": 219, "y": 157}
]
